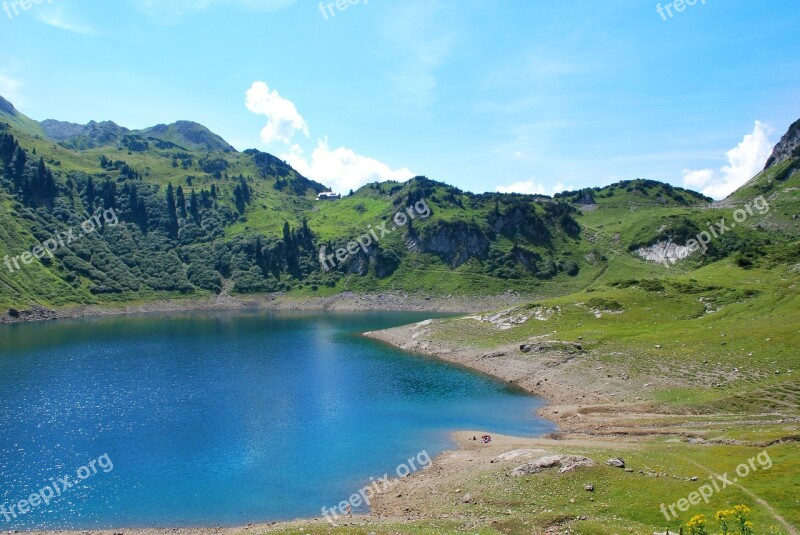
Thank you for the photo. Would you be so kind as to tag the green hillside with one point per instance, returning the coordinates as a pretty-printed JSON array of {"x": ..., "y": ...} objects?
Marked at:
[{"x": 196, "y": 216}]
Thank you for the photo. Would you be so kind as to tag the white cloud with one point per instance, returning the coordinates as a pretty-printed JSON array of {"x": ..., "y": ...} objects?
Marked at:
[
  {"x": 528, "y": 187},
  {"x": 560, "y": 188},
  {"x": 531, "y": 187},
  {"x": 172, "y": 11},
  {"x": 699, "y": 179},
  {"x": 57, "y": 19},
  {"x": 342, "y": 169},
  {"x": 10, "y": 89},
  {"x": 283, "y": 119},
  {"x": 744, "y": 162}
]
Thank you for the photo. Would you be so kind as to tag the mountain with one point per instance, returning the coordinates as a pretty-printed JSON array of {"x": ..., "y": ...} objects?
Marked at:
[
  {"x": 195, "y": 217},
  {"x": 10, "y": 115},
  {"x": 779, "y": 184},
  {"x": 185, "y": 135},
  {"x": 81, "y": 137},
  {"x": 788, "y": 147}
]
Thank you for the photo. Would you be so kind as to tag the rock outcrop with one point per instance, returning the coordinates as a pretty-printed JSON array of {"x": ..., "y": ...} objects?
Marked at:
[
  {"x": 787, "y": 147},
  {"x": 565, "y": 463}
]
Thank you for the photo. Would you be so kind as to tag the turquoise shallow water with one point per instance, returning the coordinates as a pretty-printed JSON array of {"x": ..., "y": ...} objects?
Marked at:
[{"x": 223, "y": 419}]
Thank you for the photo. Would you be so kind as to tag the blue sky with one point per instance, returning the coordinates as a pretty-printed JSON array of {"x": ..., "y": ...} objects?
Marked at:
[{"x": 517, "y": 95}]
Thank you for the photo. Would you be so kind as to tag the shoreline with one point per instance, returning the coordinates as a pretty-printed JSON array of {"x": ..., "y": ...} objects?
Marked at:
[
  {"x": 596, "y": 423},
  {"x": 576, "y": 402},
  {"x": 385, "y": 507},
  {"x": 344, "y": 302}
]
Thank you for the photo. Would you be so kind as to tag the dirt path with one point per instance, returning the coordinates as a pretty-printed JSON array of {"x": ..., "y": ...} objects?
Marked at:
[{"x": 791, "y": 529}]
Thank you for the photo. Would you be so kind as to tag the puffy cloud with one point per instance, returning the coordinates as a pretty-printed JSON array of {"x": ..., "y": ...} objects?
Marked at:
[
  {"x": 528, "y": 187},
  {"x": 283, "y": 119},
  {"x": 744, "y": 162},
  {"x": 698, "y": 179},
  {"x": 342, "y": 169},
  {"x": 531, "y": 187},
  {"x": 560, "y": 188}
]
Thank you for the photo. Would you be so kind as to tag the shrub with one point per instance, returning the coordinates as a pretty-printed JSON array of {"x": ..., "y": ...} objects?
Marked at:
[{"x": 601, "y": 303}]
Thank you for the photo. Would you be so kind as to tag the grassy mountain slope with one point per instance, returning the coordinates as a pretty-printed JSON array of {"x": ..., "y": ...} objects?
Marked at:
[
  {"x": 254, "y": 224},
  {"x": 19, "y": 121}
]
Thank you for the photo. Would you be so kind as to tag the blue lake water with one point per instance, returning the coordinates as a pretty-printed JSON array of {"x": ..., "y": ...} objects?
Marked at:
[{"x": 223, "y": 419}]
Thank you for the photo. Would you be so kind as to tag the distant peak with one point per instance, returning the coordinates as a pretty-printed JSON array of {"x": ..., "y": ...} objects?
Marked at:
[
  {"x": 7, "y": 107},
  {"x": 787, "y": 147},
  {"x": 188, "y": 134}
]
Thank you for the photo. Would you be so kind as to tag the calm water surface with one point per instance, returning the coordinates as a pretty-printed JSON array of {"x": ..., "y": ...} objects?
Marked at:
[{"x": 224, "y": 419}]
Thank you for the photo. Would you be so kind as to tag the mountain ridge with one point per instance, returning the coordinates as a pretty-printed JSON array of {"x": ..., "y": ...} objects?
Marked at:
[
  {"x": 183, "y": 134},
  {"x": 196, "y": 220}
]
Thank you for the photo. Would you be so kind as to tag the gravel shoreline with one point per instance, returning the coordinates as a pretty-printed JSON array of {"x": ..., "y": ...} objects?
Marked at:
[{"x": 344, "y": 302}]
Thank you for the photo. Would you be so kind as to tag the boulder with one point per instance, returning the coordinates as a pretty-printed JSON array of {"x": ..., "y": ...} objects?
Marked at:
[
  {"x": 516, "y": 454},
  {"x": 565, "y": 463}
]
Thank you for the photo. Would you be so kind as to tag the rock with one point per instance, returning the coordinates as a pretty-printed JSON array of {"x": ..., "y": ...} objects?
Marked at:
[
  {"x": 786, "y": 147},
  {"x": 665, "y": 252},
  {"x": 616, "y": 462},
  {"x": 695, "y": 478},
  {"x": 36, "y": 313},
  {"x": 467, "y": 498},
  {"x": 516, "y": 454},
  {"x": 589, "y": 488},
  {"x": 566, "y": 463}
]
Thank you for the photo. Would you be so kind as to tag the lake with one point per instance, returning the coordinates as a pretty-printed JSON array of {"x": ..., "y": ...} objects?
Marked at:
[{"x": 223, "y": 418}]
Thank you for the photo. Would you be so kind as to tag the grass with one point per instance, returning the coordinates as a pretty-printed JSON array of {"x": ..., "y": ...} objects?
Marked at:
[{"x": 622, "y": 502}]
